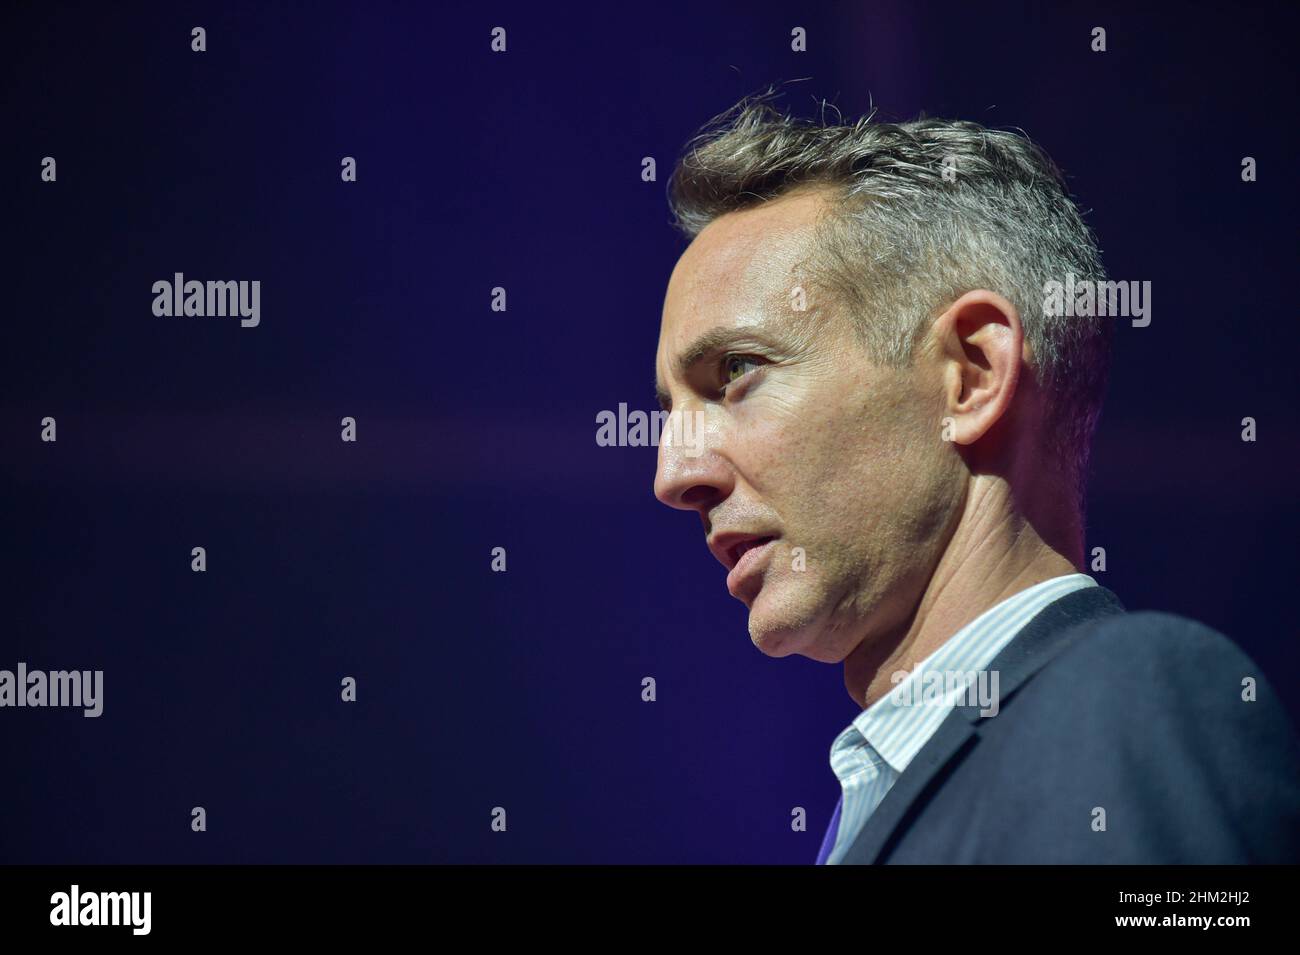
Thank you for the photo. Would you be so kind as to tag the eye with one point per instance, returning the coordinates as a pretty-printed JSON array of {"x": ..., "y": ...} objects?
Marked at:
[{"x": 735, "y": 367}]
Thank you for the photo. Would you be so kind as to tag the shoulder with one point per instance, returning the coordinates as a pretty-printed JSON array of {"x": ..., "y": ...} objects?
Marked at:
[
  {"x": 1163, "y": 722},
  {"x": 1154, "y": 650},
  {"x": 1131, "y": 672}
]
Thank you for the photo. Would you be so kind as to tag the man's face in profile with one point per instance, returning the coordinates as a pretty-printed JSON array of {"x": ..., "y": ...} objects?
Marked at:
[{"x": 812, "y": 456}]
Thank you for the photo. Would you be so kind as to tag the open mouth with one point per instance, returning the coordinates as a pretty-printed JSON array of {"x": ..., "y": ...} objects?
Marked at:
[{"x": 738, "y": 550}]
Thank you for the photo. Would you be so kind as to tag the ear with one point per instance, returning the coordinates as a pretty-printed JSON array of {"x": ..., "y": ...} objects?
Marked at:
[{"x": 980, "y": 342}]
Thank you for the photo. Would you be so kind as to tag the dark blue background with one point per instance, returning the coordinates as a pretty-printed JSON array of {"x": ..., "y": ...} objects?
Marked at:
[{"x": 477, "y": 428}]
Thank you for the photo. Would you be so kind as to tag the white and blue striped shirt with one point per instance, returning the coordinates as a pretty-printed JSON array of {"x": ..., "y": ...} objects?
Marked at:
[{"x": 877, "y": 746}]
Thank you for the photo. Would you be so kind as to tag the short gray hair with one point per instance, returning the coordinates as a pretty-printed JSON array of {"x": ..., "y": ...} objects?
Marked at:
[{"x": 930, "y": 209}]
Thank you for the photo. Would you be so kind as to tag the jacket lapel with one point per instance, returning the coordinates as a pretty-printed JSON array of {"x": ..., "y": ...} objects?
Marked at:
[{"x": 1024, "y": 656}]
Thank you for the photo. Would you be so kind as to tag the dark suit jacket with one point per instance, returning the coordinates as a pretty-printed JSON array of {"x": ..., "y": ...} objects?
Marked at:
[{"x": 1137, "y": 714}]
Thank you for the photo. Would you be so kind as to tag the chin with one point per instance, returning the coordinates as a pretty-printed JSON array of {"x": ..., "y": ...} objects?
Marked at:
[
  {"x": 779, "y": 627},
  {"x": 783, "y": 624}
]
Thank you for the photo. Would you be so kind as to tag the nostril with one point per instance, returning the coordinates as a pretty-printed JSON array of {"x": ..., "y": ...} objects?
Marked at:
[{"x": 696, "y": 495}]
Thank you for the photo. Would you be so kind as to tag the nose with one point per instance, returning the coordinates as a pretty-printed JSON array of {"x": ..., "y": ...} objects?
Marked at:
[{"x": 691, "y": 475}]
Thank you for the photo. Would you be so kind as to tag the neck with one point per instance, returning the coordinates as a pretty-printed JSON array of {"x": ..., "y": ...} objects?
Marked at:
[{"x": 994, "y": 553}]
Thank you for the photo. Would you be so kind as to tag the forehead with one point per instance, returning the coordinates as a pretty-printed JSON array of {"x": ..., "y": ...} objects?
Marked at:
[{"x": 740, "y": 270}]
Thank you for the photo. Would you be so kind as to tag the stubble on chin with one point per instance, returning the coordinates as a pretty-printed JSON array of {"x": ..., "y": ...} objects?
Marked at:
[{"x": 788, "y": 618}]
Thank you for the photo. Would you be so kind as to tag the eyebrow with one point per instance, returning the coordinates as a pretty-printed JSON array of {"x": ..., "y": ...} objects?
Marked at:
[{"x": 712, "y": 342}]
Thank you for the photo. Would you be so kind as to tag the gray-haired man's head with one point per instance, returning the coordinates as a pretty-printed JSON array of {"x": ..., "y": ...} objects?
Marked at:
[{"x": 859, "y": 322}]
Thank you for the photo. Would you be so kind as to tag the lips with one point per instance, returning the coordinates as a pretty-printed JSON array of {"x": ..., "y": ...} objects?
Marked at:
[
  {"x": 746, "y": 577},
  {"x": 728, "y": 548},
  {"x": 744, "y": 556},
  {"x": 739, "y": 550}
]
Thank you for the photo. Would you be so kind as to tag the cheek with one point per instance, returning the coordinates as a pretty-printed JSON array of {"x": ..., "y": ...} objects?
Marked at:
[
  {"x": 836, "y": 450},
  {"x": 778, "y": 450},
  {"x": 809, "y": 464},
  {"x": 873, "y": 469},
  {"x": 812, "y": 446}
]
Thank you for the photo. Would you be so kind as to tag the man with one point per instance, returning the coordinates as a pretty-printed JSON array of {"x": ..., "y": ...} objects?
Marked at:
[{"x": 892, "y": 445}]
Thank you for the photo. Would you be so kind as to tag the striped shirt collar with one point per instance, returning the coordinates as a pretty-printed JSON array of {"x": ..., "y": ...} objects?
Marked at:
[{"x": 896, "y": 733}]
